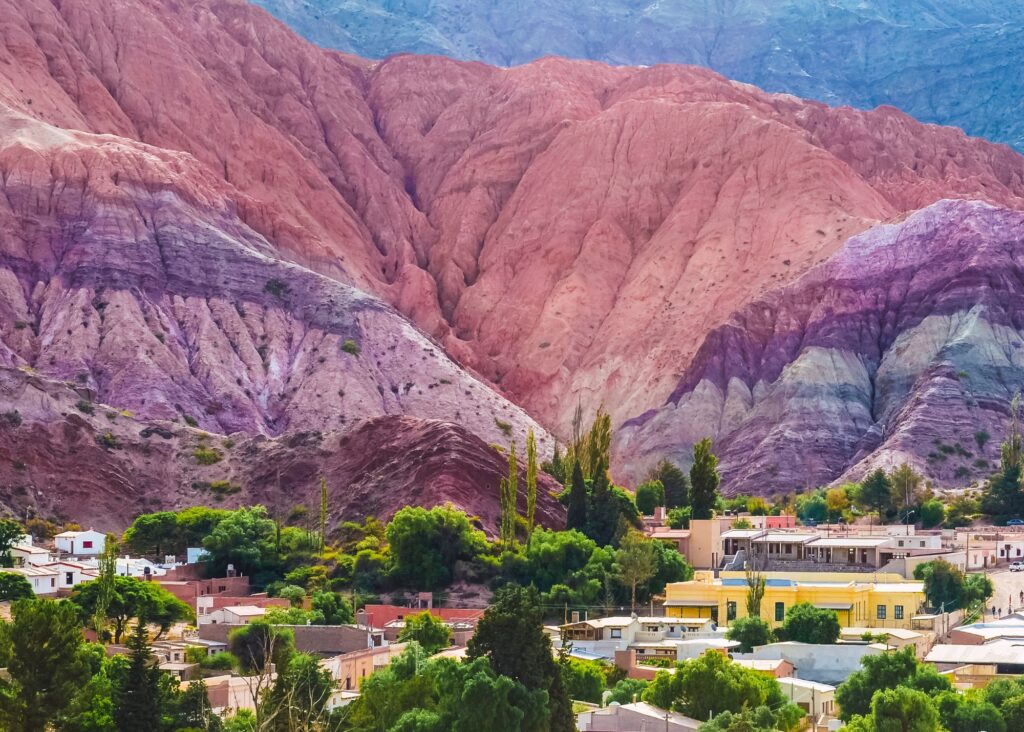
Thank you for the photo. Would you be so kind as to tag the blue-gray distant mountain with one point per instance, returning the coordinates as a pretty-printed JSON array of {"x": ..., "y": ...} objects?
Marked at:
[{"x": 955, "y": 62}]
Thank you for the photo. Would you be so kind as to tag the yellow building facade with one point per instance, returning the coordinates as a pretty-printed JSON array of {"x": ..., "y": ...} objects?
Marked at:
[{"x": 862, "y": 600}]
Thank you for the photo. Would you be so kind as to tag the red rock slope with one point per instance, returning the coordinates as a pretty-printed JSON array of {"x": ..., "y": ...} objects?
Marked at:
[{"x": 567, "y": 229}]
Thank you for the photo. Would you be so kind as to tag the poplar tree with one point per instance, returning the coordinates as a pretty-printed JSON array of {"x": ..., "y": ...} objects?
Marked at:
[
  {"x": 704, "y": 480},
  {"x": 509, "y": 490},
  {"x": 531, "y": 484}
]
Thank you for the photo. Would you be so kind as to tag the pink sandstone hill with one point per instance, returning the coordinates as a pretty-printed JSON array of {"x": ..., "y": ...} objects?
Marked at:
[{"x": 204, "y": 216}]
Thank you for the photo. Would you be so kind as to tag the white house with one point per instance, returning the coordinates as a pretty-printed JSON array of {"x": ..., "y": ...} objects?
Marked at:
[
  {"x": 633, "y": 717},
  {"x": 128, "y": 567},
  {"x": 42, "y": 579},
  {"x": 81, "y": 543},
  {"x": 71, "y": 574},
  {"x": 237, "y": 615},
  {"x": 817, "y": 700},
  {"x": 24, "y": 555}
]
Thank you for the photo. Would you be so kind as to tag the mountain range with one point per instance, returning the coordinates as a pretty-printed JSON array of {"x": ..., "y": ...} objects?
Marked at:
[
  {"x": 952, "y": 63},
  {"x": 231, "y": 261}
]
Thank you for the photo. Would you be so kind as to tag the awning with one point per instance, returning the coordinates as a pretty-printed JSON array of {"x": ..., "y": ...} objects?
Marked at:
[
  {"x": 690, "y": 603},
  {"x": 834, "y": 605}
]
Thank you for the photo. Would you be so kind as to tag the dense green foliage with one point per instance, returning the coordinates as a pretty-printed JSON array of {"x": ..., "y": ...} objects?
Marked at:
[
  {"x": 429, "y": 631},
  {"x": 704, "y": 480},
  {"x": 511, "y": 637},
  {"x": 14, "y": 587},
  {"x": 749, "y": 632},
  {"x": 675, "y": 482},
  {"x": 712, "y": 684},
  {"x": 948, "y": 588},
  {"x": 805, "y": 623},
  {"x": 649, "y": 496},
  {"x": 129, "y": 598},
  {"x": 426, "y": 544},
  {"x": 886, "y": 671}
]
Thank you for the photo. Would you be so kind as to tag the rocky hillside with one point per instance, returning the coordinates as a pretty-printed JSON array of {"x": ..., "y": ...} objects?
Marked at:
[
  {"x": 906, "y": 346},
  {"x": 103, "y": 466},
  {"x": 944, "y": 62},
  {"x": 528, "y": 219},
  {"x": 206, "y": 219}
]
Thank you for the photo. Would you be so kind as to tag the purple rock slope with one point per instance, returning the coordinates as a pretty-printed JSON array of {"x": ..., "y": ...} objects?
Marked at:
[{"x": 906, "y": 346}]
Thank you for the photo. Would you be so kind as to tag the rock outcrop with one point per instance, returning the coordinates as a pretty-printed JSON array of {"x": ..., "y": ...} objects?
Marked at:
[
  {"x": 941, "y": 62},
  {"x": 906, "y": 346}
]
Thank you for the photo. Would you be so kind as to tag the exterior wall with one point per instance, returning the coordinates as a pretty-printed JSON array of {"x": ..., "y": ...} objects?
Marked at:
[
  {"x": 704, "y": 547},
  {"x": 349, "y": 669},
  {"x": 187, "y": 590},
  {"x": 324, "y": 640},
  {"x": 207, "y": 604},
  {"x": 729, "y": 601}
]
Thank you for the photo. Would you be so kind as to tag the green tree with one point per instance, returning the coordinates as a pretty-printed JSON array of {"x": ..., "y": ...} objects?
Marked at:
[
  {"x": 294, "y": 594},
  {"x": 906, "y": 487},
  {"x": 154, "y": 534},
  {"x": 194, "y": 711},
  {"x": 430, "y": 632},
  {"x": 812, "y": 507},
  {"x": 298, "y": 699},
  {"x": 876, "y": 491},
  {"x": 603, "y": 511},
  {"x": 47, "y": 666},
  {"x": 425, "y": 545},
  {"x": 704, "y": 480},
  {"x": 712, "y": 684},
  {"x": 970, "y": 712},
  {"x": 246, "y": 538},
  {"x": 750, "y": 632},
  {"x": 258, "y": 644},
  {"x": 335, "y": 608},
  {"x": 531, "y": 483},
  {"x": 679, "y": 518},
  {"x": 933, "y": 513},
  {"x": 137, "y": 699},
  {"x": 626, "y": 691},
  {"x": 636, "y": 561},
  {"x": 675, "y": 481},
  {"x": 15, "y": 587},
  {"x": 649, "y": 496},
  {"x": 323, "y": 515},
  {"x": 10, "y": 532},
  {"x": 886, "y": 671},
  {"x": 943, "y": 584},
  {"x": 805, "y": 623},
  {"x": 583, "y": 680},
  {"x": 576, "y": 517},
  {"x": 511, "y": 636},
  {"x": 508, "y": 491},
  {"x": 127, "y": 598},
  {"x": 899, "y": 709}
]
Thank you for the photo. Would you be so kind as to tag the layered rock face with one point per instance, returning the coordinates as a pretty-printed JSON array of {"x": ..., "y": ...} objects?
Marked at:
[
  {"x": 941, "y": 62},
  {"x": 529, "y": 219},
  {"x": 103, "y": 469},
  {"x": 906, "y": 346}
]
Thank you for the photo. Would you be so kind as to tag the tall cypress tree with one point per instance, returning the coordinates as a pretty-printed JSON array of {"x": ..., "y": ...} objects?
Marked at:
[
  {"x": 576, "y": 517},
  {"x": 677, "y": 485},
  {"x": 704, "y": 480},
  {"x": 137, "y": 700},
  {"x": 603, "y": 513}
]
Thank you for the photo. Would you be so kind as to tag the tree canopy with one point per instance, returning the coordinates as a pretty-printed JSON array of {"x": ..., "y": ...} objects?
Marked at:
[{"x": 805, "y": 623}]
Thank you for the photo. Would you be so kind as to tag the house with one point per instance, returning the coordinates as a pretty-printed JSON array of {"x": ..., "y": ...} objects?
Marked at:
[
  {"x": 775, "y": 667},
  {"x": 81, "y": 543},
  {"x": 209, "y": 603},
  {"x": 888, "y": 602},
  {"x": 229, "y": 693},
  {"x": 817, "y": 700},
  {"x": 380, "y": 615},
  {"x": 633, "y": 717},
  {"x": 42, "y": 579},
  {"x": 142, "y": 568},
  {"x": 71, "y": 573},
  {"x": 1010, "y": 628},
  {"x": 825, "y": 664},
  {"x": 1003, "y": 657},
  {"x": 24, "y": 555},
  {"x": 234, "y": 615},
  {"x": 701, "y": 543},
  {"x": 665, "y": 638},
  {"x": 897, "y": 638},
  {"x": 323, "y": 640},
  {"x": 349, "y": 669}
]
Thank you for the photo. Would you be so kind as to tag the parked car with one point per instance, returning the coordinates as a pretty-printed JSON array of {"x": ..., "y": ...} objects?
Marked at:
[
  {"x": 1017, "y": 567},
  {"x": 1015, "y": 522}
]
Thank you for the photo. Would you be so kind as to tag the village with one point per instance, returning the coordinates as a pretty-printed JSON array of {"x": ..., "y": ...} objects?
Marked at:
[{"x": 862, "y": 573}]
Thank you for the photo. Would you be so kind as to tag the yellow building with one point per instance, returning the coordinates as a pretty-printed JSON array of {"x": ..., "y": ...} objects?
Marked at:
[{"x": 863, "y": 600}]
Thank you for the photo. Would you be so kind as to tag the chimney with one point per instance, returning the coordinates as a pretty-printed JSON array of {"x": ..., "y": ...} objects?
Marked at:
[
  {"x": 659, "y": 513},
  {"x": 575, "y": 616}
]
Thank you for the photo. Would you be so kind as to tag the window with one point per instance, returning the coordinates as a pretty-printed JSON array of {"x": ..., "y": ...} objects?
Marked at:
[
  {"x": 897, "y": 612},
  {"x": 730, "y": 610},
  {"x": 880, "y": 612},
  {"x": 616, "y": 632},
  {"x": 53, "y": 581},
  {"x": 86, "y": 544},
  {"x": 780, "y": 611},
  {"x": 901, "y": 542},
  {"x": 69, "y": 578}
]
